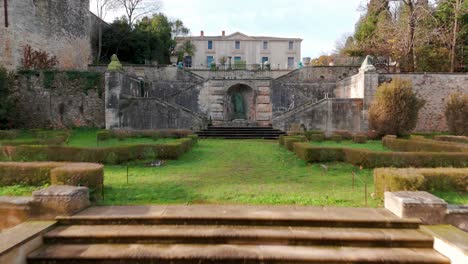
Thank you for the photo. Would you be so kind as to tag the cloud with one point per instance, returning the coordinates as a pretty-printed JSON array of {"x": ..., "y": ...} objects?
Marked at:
[{"x": 319, "y": 22}]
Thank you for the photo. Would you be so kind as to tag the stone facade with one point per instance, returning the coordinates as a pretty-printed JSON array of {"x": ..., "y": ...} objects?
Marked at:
[
  {"x": 58, "y": 100},
  {"x": 61, "y": 28},
  {"x": 250, "y": 49}
]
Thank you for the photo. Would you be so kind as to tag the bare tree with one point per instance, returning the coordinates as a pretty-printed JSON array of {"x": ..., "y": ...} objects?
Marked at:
[
  {"x": 102, "y": 6},
  {"x": 135, "y": 9},
  {"x": 457, "y": 10}
]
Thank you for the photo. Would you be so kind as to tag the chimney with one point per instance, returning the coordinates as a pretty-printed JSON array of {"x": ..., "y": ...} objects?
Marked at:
[
  {"x": 224, "y": 33},
  {"x": 202, "y": 33}
]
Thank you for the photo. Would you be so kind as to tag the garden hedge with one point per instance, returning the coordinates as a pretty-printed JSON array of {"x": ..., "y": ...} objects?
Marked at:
[
  {"x": 418, "y": 145},
  {"x": 457, "y": 139},
  {"x": 373, "y": 159},
  {"x": 107, "y": 155},
  {"x": 8, "y": 134},
  {"x": 289, "y": 141},
  {"x": 283, "y": 138},
  {"x": 154, "y": 134},
  {"x": 90, "y": 175},
  {"x": 315, "y": 135},
  {"x": 410, "y": 179}
]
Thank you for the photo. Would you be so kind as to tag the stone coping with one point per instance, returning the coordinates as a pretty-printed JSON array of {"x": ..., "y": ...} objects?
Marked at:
[
  {"x": 16, "y": 200},
  {"x": 15, "y": 236},
  {"x": 457, "y": 209},
  {"x": 423, "y": 198},
  {"x": 60, "y": 190},
  {"x": 450, "y": 235}
]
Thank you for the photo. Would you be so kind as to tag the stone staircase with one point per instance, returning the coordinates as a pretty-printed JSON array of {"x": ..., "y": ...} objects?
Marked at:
[
  {"x": 235, "y": 234},
  {"x": 253, "y": 132}
]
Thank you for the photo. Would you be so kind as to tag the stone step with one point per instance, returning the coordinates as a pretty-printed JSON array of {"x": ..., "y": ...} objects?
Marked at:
[
  {"x": 188, "y": 253},
  {"x": 241, "y": 235},
  {"x": 240, "y": 215}
]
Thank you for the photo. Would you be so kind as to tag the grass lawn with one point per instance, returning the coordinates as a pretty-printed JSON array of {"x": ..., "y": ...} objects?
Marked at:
[
  {"x": 235, "y": 172},
  {"x": 375, "y": 145},
  {"x": 239, "y": 172}
]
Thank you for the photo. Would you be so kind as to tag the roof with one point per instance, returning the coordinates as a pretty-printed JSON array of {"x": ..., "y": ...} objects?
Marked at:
[{"x": 239, "y": 36}]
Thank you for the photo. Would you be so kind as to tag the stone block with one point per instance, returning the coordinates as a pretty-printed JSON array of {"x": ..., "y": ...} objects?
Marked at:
[
  {"x": 61, "y": 200},
  {"x": 217, "y": 107},
  {"x": 14, "y": 210},
  {"x": 264, "y": 90},
  {"x": 263, "y": 99},
  {"x": 263, "y": 116},
  {"x": 423, "y": 205},
  {"x": 266, "y": 108},
  {"x": 264, "y": 83},
  {"x": 457, "y": 215}
]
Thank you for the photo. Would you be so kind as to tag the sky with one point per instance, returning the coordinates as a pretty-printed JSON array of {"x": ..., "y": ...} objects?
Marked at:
[{"x": 318, "y": 22}]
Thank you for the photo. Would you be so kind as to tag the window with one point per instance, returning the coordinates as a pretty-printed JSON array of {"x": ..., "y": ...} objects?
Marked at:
[
  {"x": 290, "y": 62},
  {"x": 237, "y": 59},
  {"x": 237, "y": 44},
  {"x": 209, "y": 60},
  {"x": 291, "y": 45},
  {"x": 265, "y": 45},
  {"x": 210, "y": 44},
  {"x": 188, "y": 61},
  {"x": 264, "y": 59}
]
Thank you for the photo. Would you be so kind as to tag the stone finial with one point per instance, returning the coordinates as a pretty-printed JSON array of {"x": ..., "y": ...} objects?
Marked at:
[
  {"x": 115, "y": 64},
  {"x": 367, "y": 65}
]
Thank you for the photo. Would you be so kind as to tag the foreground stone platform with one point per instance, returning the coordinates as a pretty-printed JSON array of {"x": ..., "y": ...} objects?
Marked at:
[{"x": 235, "y": 234}]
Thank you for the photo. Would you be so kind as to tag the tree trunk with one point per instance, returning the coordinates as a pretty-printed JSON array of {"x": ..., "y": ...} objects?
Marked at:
[
  {"x": 412, "y": 26},
  {"x": 98, "y": 57},
  {"x": 454, "y": 39}
]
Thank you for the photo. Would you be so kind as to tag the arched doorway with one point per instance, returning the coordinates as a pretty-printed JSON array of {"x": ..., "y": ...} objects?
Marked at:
[{"x": 240, "y": 103}]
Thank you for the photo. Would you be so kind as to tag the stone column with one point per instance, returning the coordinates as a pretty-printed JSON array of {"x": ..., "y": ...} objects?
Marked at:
[{"x": 113, "y": 85}]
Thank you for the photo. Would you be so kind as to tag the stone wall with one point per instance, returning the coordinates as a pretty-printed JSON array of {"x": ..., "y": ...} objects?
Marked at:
[
  {"x": 306, "y": 85},
  {"x": 435, "y": 89},
  {"x": 128, "y": 105},
  {"x": 58, "y": 99},
  {"x": 60, "y": 28},
  {"x": 326, "y": 115}
]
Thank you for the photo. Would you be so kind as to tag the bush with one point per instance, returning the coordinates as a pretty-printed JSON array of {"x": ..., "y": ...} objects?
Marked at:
[
  {"x": 373, "y": 135},
  {"x": 346, "y": 135},
  {"x": 57, "y": 173},
  {"x": 310, "y": 153},
  {"x": 360, "y": 138},
  {"x": 8, "y": 134},
  {"x": 7, "y": 106},
  {"x": 103, "y": 135},
  {"x": 395, "y": 108},
  {"x": 315, "y": 135},
  {"x": 410, "y": 179},
  {"x": 421, "y": 145},
  {"x": 289, "y": 141},
  {"x": 456, "y": 113},
  {"x": 337, "y": 138},
  {"x": 457, "y": 139},
  {"x": 373, "y": 159}
]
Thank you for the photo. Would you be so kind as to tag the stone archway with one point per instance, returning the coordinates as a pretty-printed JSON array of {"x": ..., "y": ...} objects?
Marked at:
[{"x": 240, "y": 103}]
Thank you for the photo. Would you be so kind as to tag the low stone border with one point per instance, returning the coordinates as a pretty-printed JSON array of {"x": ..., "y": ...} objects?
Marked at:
[
  {"x": 45, "y": 204},
  {"x": 428, "y": 208},
  {"x": 449, "y": 241}
]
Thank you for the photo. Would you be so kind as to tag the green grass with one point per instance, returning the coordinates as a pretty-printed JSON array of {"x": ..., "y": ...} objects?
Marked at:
[
  {"x": 19, "y": 190},
  {"x": 238, "y": 172},
  {"x": 375, "y": 145}
]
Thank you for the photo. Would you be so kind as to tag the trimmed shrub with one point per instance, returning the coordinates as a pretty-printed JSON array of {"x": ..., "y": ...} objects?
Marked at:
[
  {"x": 109, "y": 155},
  {"x": 8, "y": 134},
  {"x": 337, "y": 138},
  {"x": 373, "y": 159},
  {"x": 103, "y": 135},
  {"x": 289, "y": 141},
  {"x": 456, "y": 113},
  {"x": 457, "y": 139},
  {"x": 20, "y": 142},
  {"x": 360, "y": 138},
  {"x": 421, "y": 145},
  {"x": 80, "y": 174},
  {"x": 311, "y": 153},
  {"x": 315, "y": 135},
  {"x": 57, "y": 173},
  {"x": 395, "y": 108},
  {"x": 346, "y": 135},
  {"x": 410, "y": 179},
  {"x": 373, "y": 135}
]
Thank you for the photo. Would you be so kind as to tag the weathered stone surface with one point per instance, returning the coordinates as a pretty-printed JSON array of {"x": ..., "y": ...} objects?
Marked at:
[
  {"x": 14, "y": 210},
  {"x": 457, "y": 215},
  {"x": 263, "y": 99},
  {"x": 449, "y": 241},
  {"x": 61, "y": 28},
  {"x": 423, "y": 205},
  {"x": 61, "y": 200}
]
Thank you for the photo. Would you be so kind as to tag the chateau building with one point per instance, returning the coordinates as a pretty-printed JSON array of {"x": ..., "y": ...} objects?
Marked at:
[{"x": 240, "y": 49}]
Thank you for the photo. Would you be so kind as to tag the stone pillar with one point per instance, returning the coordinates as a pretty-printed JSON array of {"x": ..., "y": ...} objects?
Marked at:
[
  {"x": 113, "y": 86},
  {"x": 371, "y": 83}
]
